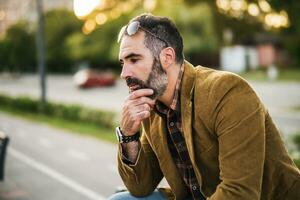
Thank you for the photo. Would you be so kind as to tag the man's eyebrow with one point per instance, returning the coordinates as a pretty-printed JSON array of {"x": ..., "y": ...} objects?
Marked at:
[{"x": 130, "y": 56}]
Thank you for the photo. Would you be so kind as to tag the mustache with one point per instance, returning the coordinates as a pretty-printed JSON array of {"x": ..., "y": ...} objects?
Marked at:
[{"x": 130, "y": 81}]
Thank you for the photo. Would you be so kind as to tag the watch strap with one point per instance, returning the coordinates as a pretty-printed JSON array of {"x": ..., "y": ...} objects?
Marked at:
[{"x": 130, "y": 138}]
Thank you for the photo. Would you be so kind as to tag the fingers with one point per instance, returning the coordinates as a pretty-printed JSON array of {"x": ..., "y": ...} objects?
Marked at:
[
  {"x": 131, "y": 121},
  {"x": 143, "y": 101},
  {"x": 139, "y": 101},
  {"x": 136, "y": 108},
  {"x": 140, "y": 93}
]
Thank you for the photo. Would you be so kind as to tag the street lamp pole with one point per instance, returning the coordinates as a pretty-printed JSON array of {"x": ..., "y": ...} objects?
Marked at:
[{"x": 41, "y": 51}]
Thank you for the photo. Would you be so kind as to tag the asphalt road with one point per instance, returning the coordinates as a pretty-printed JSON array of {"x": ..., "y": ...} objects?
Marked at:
[{"x": 44, "y": 163}]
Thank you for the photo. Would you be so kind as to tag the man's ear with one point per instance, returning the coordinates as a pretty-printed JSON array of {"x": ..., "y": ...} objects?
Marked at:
[{"x": 167, "y": 57}]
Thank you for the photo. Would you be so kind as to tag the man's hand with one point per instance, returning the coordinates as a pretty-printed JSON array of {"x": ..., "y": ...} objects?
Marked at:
[{"x": 136, "y": 108}]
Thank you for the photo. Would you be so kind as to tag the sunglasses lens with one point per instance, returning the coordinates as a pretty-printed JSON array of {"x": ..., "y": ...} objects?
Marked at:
[{"x": 133, "y": 28}]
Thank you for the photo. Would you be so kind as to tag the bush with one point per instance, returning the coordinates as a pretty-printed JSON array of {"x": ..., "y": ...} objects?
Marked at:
[
  {"x": 59, "y": 25},
  {"x": 296, "y": 141},
  {"x": 74, "y": 113},
  {"x": 17, "y": 49}
]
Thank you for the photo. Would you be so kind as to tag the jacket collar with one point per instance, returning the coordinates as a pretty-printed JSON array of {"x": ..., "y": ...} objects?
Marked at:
[
  {"x": 187, "y": 110},
  {"x": 188, "y": 82}
]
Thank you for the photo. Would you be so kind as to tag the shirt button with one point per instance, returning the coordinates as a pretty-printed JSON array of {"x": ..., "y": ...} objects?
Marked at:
[
  {"x": 194, "y": 187},
  {"x": 171, "y": 123}
]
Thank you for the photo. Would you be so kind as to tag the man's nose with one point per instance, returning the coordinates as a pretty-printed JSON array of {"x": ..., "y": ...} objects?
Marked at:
[{"x": 125, "y": 72}]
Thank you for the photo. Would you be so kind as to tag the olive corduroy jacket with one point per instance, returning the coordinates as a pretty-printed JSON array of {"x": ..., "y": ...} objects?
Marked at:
[{"x": 235, "y": 148}]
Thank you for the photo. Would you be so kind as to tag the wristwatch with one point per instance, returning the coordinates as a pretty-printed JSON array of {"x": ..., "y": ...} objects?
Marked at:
[{"x": 125, "y": 139}]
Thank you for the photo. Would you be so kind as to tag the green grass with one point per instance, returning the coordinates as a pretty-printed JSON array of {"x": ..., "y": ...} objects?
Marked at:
[
  {"x": 296, "y": 141},
  {"x": 292, "y": 74},
  {"x": 297, "y": 108},
  {"x": 96, "y": 131}
]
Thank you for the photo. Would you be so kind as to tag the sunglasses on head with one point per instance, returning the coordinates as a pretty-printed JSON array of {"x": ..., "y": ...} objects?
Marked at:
[{"x": 133, "y": 28}]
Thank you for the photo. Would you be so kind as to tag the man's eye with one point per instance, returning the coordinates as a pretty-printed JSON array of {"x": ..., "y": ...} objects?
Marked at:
[{"x": 133, "y": 60}]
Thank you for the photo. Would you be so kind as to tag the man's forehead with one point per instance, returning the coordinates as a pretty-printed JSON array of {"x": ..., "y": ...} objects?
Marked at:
[{"x": 131, "y": 44}]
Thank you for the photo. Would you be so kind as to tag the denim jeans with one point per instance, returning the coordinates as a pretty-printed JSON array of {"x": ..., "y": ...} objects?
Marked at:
[{"x": 156, "y": 195}]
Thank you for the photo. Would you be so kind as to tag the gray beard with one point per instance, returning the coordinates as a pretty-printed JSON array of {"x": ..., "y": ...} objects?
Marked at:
[{"x": 157, "y": 80}]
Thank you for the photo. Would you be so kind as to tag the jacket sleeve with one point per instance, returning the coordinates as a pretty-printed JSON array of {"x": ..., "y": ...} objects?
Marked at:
[
  {"x": 239, "y": 125},
  {"x": 141, "y": 178}
]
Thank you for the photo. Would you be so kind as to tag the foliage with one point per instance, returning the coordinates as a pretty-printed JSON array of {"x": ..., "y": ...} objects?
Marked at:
[
  {"x": 59, "y": 24},
  {"x": 17, "y": 49},
  {"x": 291, "y": 37},
  {"x": 296, "y": 141},
  {"x": 73, "y": 113},
  {"x": 100, "y": 47},
  {"x": 199, "y": 21}
]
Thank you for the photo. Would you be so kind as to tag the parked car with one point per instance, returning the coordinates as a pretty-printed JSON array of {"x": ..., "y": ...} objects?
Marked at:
[{"x": 87, "y": 78}]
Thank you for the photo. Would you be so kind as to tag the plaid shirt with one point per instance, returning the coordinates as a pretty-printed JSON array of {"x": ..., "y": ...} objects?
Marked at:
[{"x": 176, "y": 142}]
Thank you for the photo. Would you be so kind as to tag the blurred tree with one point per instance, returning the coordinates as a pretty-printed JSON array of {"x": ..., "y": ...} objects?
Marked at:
[
  {"x": 291, "y": 34},
  {"x": 245, "y": 28},
  {"x": 4, "y": 54},
  {"x": 17, "y": 49},
  {"x": 99, "y": 45},
  {"x": 99, "y": 48},
  {"x": 59, "y": 24},
  {"x": 206, "y": 23}
]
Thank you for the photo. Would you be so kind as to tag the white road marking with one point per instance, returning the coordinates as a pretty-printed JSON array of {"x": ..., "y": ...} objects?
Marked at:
[
  {"x": 45, "y": 143},
  {"x": 55, "y": 175},
  {"x": 78, "y": 155}
]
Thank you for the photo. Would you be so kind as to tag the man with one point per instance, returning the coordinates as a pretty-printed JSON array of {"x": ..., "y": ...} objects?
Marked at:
[{"x": 205, "y": 131}]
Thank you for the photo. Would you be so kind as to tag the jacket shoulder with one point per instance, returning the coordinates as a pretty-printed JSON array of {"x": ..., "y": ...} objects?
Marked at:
[
  {"x": 215, "y": 89},
  {"x": 217, "y": 83}
]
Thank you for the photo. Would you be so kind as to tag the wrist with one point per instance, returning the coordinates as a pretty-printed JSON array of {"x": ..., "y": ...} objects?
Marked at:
[{"x": 122, "y": 138}]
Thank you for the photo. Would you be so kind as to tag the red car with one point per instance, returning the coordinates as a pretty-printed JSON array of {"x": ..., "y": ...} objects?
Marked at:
[{"x": 87, "y": 78}]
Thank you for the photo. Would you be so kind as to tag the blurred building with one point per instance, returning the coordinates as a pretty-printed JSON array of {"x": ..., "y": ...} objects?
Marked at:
[
  {"x": 11, "y": 11},
  {"x": 239, "y": 58}
]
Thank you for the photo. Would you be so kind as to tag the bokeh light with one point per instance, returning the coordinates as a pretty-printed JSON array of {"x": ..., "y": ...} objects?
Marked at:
[
  {"x": 101, "y": 18},
  {"x": 223, "y": 4},
  {"x": 89, "y": 26},
  {"x": 264, "y": 6},
  {"x": 253, "y": 9},
  {"x": 84, "y": 7}
]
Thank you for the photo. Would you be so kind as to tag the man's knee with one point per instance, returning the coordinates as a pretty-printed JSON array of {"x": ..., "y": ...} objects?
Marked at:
[
  {"x": 156, "y": 195},
  {"x": 121, "y": 196}
]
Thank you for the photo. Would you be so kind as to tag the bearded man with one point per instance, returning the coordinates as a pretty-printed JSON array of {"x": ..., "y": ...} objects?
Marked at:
[{"x": 205, "y": 131}]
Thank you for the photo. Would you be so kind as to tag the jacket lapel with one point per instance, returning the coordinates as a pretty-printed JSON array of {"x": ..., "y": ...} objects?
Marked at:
[
  {"x": 187, "y": 112},
  {"x": 187, "y": 90},
  {"x": 168, "y": 167}
]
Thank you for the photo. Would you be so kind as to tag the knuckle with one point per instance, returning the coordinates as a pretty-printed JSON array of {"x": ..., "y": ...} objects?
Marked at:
[
  {"x": 147, "y": 114},
  {"x": 141, "y": 116},
  {"x": 133, "y": 94},
  {"x": 142, "y": 99},
  {"x": 147, "y": 107}
]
